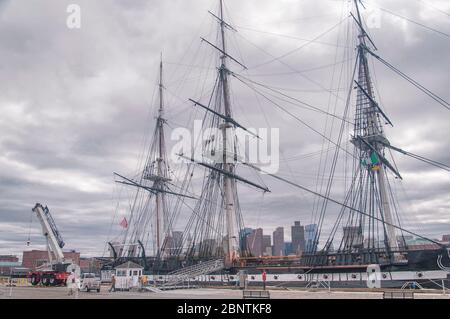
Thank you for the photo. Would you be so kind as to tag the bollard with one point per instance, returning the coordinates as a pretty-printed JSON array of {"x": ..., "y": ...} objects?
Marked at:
[{"x": 10, "y": 287}]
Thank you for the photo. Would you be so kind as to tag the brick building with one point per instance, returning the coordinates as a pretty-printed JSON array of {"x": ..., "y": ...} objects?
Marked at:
[
  {"x": 35, "y": 258},
  {"x": 92, "y": 265},
  {"x": 9, "y": 258},
  {"x": 8, "y": 263}
]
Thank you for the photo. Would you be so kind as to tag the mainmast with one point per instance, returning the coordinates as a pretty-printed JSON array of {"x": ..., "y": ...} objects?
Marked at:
[
  {"x": 369, "y": 137},
  {"x": 221, "y": 234},
  {"x": 228, "y": 166}
]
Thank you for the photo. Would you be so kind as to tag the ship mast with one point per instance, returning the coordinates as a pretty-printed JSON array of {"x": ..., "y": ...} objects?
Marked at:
[
  {"x": 369, "y": 136},
  {"x": 160, "y": 162},
  {"x": 154, "y": 181},
  {"x": 223, "y": 214},
  {"x": 232, "y": 236}
]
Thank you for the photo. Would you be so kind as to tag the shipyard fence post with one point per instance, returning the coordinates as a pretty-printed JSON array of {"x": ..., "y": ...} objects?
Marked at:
[
  {"x": 443, "y": 287},
  {"x": 10, "y": 283},
  {"x": 10, "y": 287}
]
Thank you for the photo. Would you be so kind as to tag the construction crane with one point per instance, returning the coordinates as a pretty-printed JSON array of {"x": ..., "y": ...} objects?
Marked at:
[
  {"x": 56, "y": 271},
  {"x": 53, "y": 237}
]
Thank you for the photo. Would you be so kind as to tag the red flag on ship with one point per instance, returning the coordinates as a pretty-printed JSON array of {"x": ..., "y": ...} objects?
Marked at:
[{"x": 124, "y": 223}]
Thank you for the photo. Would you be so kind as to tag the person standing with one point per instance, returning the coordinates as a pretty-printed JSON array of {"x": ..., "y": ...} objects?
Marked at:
[
  {"x": 70, "y": 282},
  {"x": 264, "y": 277},
  {"x": 77, "y": 285},
  {"x": 113, "y": 284}
]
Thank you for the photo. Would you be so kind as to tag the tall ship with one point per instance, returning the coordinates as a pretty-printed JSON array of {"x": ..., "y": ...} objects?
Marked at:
[{"x": 366, "y": 245}]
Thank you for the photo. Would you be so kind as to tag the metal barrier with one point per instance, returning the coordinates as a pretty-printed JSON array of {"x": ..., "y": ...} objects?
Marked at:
[
  {"x": 398, "y": 295},
  {"x": 7, "y": 281},
  {"x": 4, "y": 280},
  {"x": 255, "y": 294}
]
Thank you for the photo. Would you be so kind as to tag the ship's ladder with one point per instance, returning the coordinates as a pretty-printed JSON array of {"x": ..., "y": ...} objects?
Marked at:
[
  {"x": 316, "y": 284},
  {"x": 185, "y": 274},
  {"x": 412, "y": 285}
]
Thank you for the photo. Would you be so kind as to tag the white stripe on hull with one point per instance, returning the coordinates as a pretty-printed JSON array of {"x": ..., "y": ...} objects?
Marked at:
[{"x": 326, "y": 277}]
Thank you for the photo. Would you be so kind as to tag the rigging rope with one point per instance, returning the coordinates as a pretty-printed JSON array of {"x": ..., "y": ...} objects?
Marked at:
[
  {"x": 308, "y": 106},
  {"x": 296, "y": 117},
  {"x": 415, "y": 22},
  {"x": 424, "y": 159},
  {"x": 412, "y": 81},
  {"x": 342, "y": 204},
  {"x": 435, "y": 8},
  {"x": 300, "y": 47},
  {"x": 289, "y": 36}
]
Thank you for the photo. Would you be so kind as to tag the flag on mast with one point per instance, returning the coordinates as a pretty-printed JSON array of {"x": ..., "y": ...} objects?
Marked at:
[{"x": 124, "y": 223}]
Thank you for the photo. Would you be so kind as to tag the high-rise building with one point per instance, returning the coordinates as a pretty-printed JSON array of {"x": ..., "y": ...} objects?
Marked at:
[
  {"x": 298, "y": 238},
  {"x": 353, "y": 237},
  {"x": 267, "y": 245},
  {"x": 255, "y": 242},
  {"x": 243, "y": 234},
  {"x": 209, "y": 246},
  {"x": 177, "y": 238},
  {"x": 288, "y": 248},
  {"x": 278, "y": 242},
  {"x": 174, "y": 242},
  {"x": 310, "y": 234}
]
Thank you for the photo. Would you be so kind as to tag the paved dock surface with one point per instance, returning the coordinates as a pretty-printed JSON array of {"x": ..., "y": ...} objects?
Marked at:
[{"x": 202, "y": 293}]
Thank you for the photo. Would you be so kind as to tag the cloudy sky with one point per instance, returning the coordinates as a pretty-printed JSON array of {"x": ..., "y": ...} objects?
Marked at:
[{"x": 77, "y": 105}]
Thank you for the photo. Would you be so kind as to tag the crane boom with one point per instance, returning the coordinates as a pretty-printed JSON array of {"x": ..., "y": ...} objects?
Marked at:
[{"x": 55, "y": 242}]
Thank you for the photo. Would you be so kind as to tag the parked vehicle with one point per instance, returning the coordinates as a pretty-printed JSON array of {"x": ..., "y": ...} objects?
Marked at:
[{"x": 90, "y": 282}]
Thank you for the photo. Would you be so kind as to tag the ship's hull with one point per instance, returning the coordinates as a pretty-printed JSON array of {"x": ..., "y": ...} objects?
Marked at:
[
  {"x": 395, "y": 279},
  {"x": 423, "y": 269}
]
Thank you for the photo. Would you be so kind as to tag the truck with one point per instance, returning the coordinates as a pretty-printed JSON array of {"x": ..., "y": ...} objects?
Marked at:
[
  {"x": 89, "y": 281},
  {"x": 58, "y": 269}
]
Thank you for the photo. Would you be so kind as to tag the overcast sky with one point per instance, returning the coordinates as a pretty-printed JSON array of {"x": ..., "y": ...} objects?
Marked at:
[{"x": 77, "y": 105}]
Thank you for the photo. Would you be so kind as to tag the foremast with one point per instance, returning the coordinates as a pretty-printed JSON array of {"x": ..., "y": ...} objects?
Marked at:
[
  {"x": 153, "y": 181},
  {"x": 161, "y": 178}
]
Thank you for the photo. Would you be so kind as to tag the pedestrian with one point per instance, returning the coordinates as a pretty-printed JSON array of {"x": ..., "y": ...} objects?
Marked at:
[
  {"x": 144, "y": 280},
  {"x": 77, "y": 285},
  {"x": 113, "y": 284},
  {"x": 70, "y": 282},
  {"x": 264, "y": 277}
]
